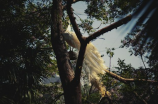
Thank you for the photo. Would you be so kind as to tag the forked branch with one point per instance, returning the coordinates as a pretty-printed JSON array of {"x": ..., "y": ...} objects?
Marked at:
[
  {"x": 85, "y": 40},
  {"x": 82, "y": 42}
]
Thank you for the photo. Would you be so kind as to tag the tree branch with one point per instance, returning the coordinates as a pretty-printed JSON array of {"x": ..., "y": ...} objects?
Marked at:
[
  {"x": 103, "y": 98},
  {"x": 80, "y": 62},
  {"x": 82, "y": 42},
  {"x": 142, "y": 60},
  {"x": 73, "y": 1},
  {"x": 57, "y": 97},
  {"x": 126, "y": 80},
  {"x": 90, "y": 90},
  {"x": 109, "y": 28},
  {"x": 73, "y": 22},
  {"x": 140, "y": 98}
]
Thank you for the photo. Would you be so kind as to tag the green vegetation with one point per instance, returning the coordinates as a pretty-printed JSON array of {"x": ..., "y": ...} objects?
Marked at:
[{"x": 27, "y": 55}]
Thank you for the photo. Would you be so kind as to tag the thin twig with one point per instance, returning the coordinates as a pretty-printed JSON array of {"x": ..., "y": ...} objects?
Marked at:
[
  {"x": 57, "y": 97},
  {"x": 98, "y": 26},
  {"x": 140, "y": 98},
  {"x": 143, "y": 61},
  {"x": 109, "y": 28},
  {"x": 73, "y": 1}
]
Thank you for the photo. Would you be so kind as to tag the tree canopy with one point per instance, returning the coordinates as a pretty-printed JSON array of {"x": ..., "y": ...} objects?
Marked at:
[
  {"x": 24, "y": 36},
  {"x": 32, "y": 47}
]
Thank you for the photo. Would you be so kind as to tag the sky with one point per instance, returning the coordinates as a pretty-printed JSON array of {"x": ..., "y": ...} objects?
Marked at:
[{"x": 112, "y": 40}]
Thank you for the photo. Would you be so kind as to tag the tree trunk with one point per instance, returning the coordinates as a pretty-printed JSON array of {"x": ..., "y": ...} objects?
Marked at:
[{"x": 72, "y": 90}]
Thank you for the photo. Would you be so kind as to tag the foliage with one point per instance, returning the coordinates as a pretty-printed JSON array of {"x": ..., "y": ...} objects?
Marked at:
[
  {"x": 126, "y": 92},
  {"x": 24, "y": 57},
  {"x": 26, "y": 51},
  {"x": 132, "y": 92},
  {"x": 143, "y": 38},
  {"x": 106, "y": 10},
  {"x": 90, "y": 94},
  {"x": 109, "y": 52},
  {"x": 142, "y": 42},
  {"x": 51, "y": 93}
]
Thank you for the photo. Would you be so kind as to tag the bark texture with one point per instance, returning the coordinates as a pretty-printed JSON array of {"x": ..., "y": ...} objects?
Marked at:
[{"x": 72, "y": 90}]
